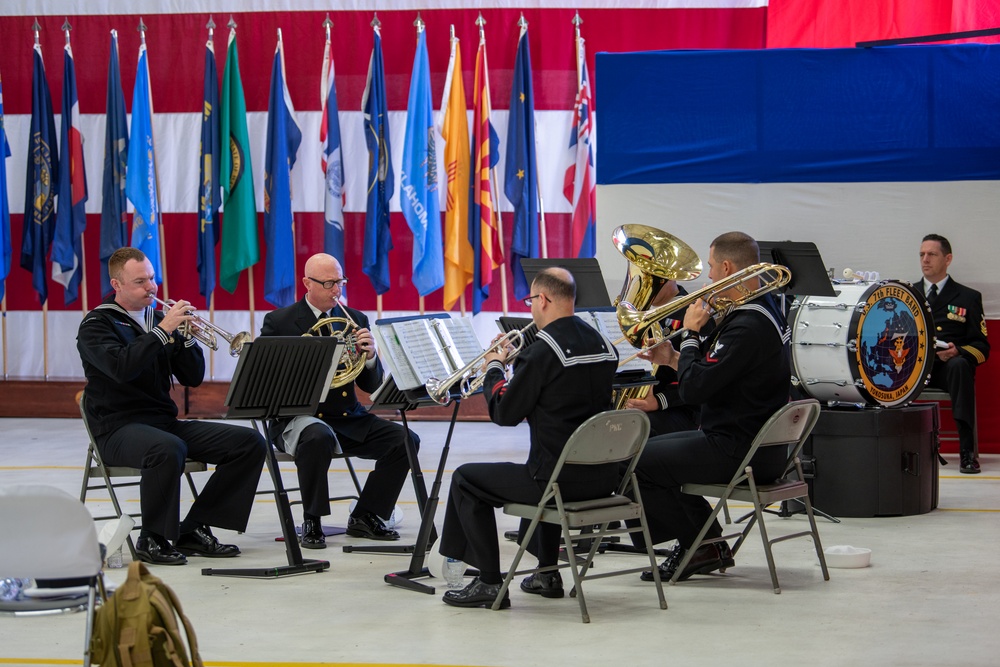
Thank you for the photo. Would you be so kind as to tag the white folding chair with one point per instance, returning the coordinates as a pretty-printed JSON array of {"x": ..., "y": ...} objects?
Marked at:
[
  {"x": 614, "y": 436},
  {"x": 789, "y": 427},
  {"x": 49, "y": 534}
]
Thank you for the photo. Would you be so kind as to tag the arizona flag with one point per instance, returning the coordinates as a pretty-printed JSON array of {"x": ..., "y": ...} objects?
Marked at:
[
  {"x": 578, "y": 186},
  {"x": 333, "y": 162},
  {"x": 71, "y": 216},
  {"x": 140, "y": 179},
  {"x": 485, "y": 154}
]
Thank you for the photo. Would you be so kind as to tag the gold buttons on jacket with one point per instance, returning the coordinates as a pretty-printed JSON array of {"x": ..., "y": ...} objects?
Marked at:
[{"x": 344, "y": 394}]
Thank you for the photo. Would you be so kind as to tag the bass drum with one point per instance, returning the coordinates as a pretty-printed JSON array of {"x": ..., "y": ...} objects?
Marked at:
[{"x": 869, "y": 345}]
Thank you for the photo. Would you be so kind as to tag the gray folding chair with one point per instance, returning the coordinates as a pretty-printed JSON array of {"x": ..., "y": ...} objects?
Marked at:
[
  {"x": 284, "y": 457},
  {"x": 110, "y": 476},
  {"x": 608, "y": 437},
  {"x": 32, "y": 515},
  {"x": 789, "y": 427}
]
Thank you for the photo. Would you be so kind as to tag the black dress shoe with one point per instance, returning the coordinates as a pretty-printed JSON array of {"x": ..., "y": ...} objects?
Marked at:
[
  {"x": 312, "y": 535},
  {"x": 477, "y": 594},
  {"x": 546, "y": 584},
  {"x": 157, "y": 550},
  {"x": 201, "y": 542},
  {"x": 708, "y": 558},
  {"x": 370, "y": 526},
  {"x": 970, "y": 464}
]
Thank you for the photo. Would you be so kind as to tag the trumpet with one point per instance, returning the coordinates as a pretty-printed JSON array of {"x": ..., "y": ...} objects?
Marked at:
[
  {"x": 440, "y": 390},
  {"x": 206, "y": 332},
  {"x": 636, "y": 323}
]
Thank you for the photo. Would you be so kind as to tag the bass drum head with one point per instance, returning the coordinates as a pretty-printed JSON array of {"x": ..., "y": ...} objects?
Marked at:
[
  {"x": 869, "y": 345},
  {"x": 892, "y": 330}
]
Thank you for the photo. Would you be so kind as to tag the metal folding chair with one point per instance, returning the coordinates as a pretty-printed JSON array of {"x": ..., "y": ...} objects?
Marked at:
[
  {"x": 608, "y": 437},
  {"x": 111, "y": 476},
  {"x": 789, "y": 427},
  {"x": 33, "y": 515}
]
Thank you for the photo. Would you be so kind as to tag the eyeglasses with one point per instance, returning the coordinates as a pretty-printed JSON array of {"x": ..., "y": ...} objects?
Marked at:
[
  {"x": 329, "y": 284},
  {"x": 529, "y": 299}
]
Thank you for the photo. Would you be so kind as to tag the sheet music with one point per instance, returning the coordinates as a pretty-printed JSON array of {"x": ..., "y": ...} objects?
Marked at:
[
  {"x": 395, "y": 357},
  {"x": 606, "y": 321},
  {"x": 424, "y": 349},
  {"x": 459, "y": 339}
]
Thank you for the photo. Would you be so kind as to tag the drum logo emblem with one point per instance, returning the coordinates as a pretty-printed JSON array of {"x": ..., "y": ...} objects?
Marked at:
[{"x": 892, "y": 344}]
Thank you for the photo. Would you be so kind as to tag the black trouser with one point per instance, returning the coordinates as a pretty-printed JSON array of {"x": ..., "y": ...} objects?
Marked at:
[
  {"x": 668, "y": 461},
  {"x": 160, "y": 452},
  {"x": 383, "y": 442},
  {"x": 470, "y": 527},
  {"x": 671, "y": 420},
  {"x": 957, "y": 376}
]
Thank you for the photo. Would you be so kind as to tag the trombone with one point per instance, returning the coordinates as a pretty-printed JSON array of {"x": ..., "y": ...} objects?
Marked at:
[
  {"x": 440, "y": 390},
  {"x": 635, "y": 324},
  {"x": 206, "y": 332}
]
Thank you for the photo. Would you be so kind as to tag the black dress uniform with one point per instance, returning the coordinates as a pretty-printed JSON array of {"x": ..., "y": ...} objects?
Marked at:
[
  {"x": 360, "y": 433},
  {"x": 558, "y": 382},
  {"x": 740, "y": 375},
  {"x": 958, "y": 316},
  {"x": 129, "y": 371}
]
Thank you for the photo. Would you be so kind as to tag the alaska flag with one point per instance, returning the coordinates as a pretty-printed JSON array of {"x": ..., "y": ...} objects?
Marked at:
[
  {"x": 333, "y": 163},
  {"x": 484, "y": 155},
  {"x": 283, "y": 139},
  {"x": 209, "y": 195},
  {"x": 459, "y": 262},
  {"x": 140, "y": 180},
  {"x": 41, "y": 181},
  {"x": 113, "y": 204},
  {"x": 578, "y": 184},
  {"x": 418, "y": 178},
  {"x": 240, "y": 249},
  {"x": 521, "y": 173},
  {"x": 378, "y": 241},
  {"x": 71, "y": 214},
  {"x": 5, "y": 249}
]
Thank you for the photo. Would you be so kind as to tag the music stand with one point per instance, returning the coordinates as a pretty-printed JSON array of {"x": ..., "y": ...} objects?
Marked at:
[
  {"x": 281, "y": 376},
  {"x": 809, "y": 276},
  {"x": 591, "y": 292}
]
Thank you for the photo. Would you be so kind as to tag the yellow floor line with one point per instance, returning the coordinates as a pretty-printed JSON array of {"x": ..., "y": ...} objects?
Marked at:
[{"x": 56, "y": 661}]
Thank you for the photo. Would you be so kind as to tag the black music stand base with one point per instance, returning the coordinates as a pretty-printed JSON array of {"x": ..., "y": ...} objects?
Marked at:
[{"x": 305, "y": 567}]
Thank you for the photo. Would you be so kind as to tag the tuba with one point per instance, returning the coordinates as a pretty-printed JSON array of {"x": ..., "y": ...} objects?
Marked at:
[
  {"x": 654, "y": 258},
  {"x": 353, "y": 360}
]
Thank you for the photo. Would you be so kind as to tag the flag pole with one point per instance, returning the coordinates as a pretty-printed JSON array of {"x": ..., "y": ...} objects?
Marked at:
[
  {"x": 250, "y": 275},
  {"x": 523, "y": 25},
  {"x": 376, "y": 25},
  {"x": 66, "y": 27},
  {"x": 3, "y": 327},
  {"x": 494, "y": 197},
  {"x": 211, "y": 295},
  {"x": 45, "y": 304}
]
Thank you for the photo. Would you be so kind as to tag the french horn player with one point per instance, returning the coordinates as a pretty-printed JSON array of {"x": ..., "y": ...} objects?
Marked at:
[{"x": 341, "y": 418}]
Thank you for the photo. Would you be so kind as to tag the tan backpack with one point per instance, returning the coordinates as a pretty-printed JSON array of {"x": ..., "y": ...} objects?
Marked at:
[{"x": 137, "y": 626}]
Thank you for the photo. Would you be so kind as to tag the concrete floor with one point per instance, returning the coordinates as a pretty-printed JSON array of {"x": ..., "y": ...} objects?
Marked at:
[{"x": 930, "y": 596}]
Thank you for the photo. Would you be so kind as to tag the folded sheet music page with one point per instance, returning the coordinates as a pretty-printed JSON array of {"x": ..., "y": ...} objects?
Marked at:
[
  {"x": 459, "y": 339},
  {"x": 395, "y": 357},
  {"x": 606, "y": 321}
]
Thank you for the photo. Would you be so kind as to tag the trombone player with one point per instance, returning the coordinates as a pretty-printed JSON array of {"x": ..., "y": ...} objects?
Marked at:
[
  {"x": 740, "y": 374},
  {"x": 341, "y": 418},
  {"x": 131, "y": 355},
  {"x": 558, "y": 382}
]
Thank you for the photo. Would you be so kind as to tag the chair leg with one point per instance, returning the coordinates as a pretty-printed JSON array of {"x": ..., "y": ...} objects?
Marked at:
[
  {"x": 689, "y": 554},
  {"x": 649, "y": 543},
  {"x": 573, "y": 565},
  {"x": 759, "y": 513},
  {"x": 354, "y": 476},
  {"x": 815, "y": 536},
  {"x": 91, "y": 610},
  {"x": 190, "y": 481},
  {"x": 517, "y": 559}
]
